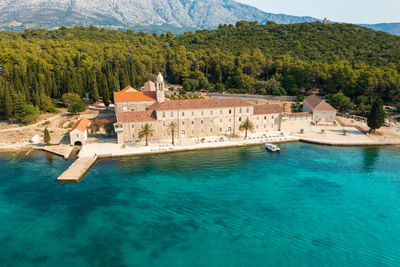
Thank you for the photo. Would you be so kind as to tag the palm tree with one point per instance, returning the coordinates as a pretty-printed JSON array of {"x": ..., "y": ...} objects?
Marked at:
[
  {"x": 246, "y": 126},
  {"x": 171, "y": 127},
  {"x": 146, "y": 131}
]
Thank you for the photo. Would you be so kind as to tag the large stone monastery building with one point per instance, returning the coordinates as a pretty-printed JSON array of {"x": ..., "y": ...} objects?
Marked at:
[{"x": 194, "y": 118}]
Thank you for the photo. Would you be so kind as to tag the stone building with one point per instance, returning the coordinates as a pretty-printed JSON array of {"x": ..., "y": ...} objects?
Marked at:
[
  {"x": 78, "y": 134},
  {"x": 194, "y": 118},
  {"x": 320, "y": 109}
]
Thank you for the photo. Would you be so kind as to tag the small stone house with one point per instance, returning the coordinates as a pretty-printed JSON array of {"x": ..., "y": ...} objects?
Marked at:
[
  {"x": 319, "y": 108},
  {"x": 79, "y": 134}
]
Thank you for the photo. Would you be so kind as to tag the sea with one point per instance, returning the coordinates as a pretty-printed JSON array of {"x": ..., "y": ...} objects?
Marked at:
[{"x": 308, "y": 205}]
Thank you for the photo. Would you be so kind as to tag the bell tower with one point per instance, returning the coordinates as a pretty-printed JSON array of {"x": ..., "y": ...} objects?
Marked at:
[{"x": 160, "y": 92}]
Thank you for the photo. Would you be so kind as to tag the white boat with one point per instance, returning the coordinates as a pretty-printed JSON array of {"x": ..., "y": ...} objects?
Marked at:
[{"x": 272, "y": 147}]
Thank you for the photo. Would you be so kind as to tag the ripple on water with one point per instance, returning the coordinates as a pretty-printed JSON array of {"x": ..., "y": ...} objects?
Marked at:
[{"x": 308, "y": 205}]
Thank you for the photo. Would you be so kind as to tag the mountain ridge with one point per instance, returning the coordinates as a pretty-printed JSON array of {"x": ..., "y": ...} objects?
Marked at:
[{"x": 154, "y": 16}]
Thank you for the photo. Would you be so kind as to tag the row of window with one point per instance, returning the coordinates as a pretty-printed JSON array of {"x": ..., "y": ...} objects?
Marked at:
[{"x": 202, "y": 112}]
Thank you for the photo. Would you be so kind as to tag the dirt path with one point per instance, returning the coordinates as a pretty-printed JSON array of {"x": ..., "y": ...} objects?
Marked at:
[{"x": 34, "y": 125}]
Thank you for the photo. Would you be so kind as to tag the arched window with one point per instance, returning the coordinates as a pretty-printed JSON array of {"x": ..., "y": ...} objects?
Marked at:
[{"x": 183, "y": 134}]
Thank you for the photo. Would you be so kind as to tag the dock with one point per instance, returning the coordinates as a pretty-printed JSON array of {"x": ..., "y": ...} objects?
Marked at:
[
  {"x": 77, "y": 170},
  {"x": 59, "y": 150}
]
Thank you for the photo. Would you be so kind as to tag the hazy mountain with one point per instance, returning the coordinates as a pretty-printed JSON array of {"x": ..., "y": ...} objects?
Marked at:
[
  {"x": 393, "y": 28},
  {"x": 16, "y": 14}
]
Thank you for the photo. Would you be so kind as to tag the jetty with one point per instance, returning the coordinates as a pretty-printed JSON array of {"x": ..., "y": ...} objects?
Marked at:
[
  {"x": 77, "y": 170},
  {"x": 59, "y": 150}
]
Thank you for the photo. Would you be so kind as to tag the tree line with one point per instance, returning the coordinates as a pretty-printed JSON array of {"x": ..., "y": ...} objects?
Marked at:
[{"x": 41, "y": 66}]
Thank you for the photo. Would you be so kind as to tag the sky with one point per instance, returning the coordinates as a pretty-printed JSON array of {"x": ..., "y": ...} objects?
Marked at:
[{"x": 351, "y": 11}]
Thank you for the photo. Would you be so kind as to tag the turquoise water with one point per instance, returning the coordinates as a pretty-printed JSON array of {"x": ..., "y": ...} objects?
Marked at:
[{"x": 307, "y": 206}]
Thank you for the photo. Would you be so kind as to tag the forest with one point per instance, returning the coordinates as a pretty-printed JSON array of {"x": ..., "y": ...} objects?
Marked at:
[{"x": 347, "y": 63}]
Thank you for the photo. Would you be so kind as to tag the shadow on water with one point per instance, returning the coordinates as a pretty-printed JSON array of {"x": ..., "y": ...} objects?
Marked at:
[{"x": 370, "y": 157}]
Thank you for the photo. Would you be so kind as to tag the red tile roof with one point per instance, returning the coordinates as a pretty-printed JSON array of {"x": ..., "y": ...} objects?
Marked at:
[
  {"x": 134, "y": 96},
  {"x": 317, "y": 103},
  {"x": 136, "y": 116},
  {"x": 149, "y": 86},
  {"x": 129, "y": 89},
  {"x": 200, "y": 104},
  {"x": 267, "y": 109},
  {"x": 81, "y": 124},
  {"x": 299, "y": 114}
]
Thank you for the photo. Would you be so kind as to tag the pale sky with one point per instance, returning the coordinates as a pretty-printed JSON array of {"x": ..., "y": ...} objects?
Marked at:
[{"x": 352, "y": 11}]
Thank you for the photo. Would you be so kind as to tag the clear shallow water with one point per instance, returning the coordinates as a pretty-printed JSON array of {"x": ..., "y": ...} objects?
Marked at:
[{"x": 307, "y": 206}]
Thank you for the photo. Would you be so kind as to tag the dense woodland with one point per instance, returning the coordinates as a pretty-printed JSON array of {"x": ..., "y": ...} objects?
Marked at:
[{"x": 347, "y": 63}]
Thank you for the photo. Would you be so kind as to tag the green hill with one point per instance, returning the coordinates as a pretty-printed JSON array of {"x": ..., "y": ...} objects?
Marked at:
[{"x": 247, "y": 58}]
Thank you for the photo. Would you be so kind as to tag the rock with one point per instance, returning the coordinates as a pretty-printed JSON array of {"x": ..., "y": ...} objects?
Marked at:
[{"x": 35, "y": 139}]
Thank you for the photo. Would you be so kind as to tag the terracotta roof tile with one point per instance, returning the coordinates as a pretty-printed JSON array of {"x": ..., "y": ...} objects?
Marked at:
[
  {"x": 267, "y": 109},
  {"x": 299, "y": 114},
  {"x": 129, "y": 89},
  {"x": 149, "y": 86},
  {"x": 81, "y": 124},
  {"x": 200, "y": 104},
  {"x": 317, "y": 103},
  {"x": 134, "y": 96},
  {"x": 136, "y": 116}
]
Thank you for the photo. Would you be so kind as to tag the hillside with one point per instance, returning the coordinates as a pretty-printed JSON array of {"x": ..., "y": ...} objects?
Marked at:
[{"x": 249, "y": 58}]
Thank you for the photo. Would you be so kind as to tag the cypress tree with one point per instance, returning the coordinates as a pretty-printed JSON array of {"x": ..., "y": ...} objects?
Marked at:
[
  {"x": 376, "y": 116},
  {"x": 8, "y": 103},
  {"x": 93, "y": 88},
  {"x": 20, "y": 108},
  {"x": 46, "y": 136}
]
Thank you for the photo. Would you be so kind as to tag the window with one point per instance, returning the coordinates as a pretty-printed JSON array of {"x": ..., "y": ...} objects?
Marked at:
[
  {"x": 220, "y": 129},
  {"x": 192, "y": 131},
  {"x": 210, "y": 130},
  {"x": 163, "y": 133},
  {"x": 192, "y": 122},
  {"x": 258, "y": 118},
  {"x": 230, "y": 111},
  {"x": 202, "y": 113},
  {"x": 77, "y": 135},
  {"x": 132, "y": 109},
  {"x": 133, "y": 136},
  {"x": 247, "y": 110},
  {"x": 240, "y": 118},
  {"x": 133, "y": 126},
  {"x": 220, "y": 112},
  {"x": 163, "y": 123},
  {"x": 240, "y": 110},
  {"x": 230, "y": 119},
  {"x": 183, "y": 114},
  {"x": 202, "y": 122},
  {"x": 183, "y": 123},
  {"x": 265, "y": 117},
  {"x": 202, "y": 131},
  {"x": 265, "y": 126},
  {"x": 272, "y": 116},
  {"x": 220, "y": 120},
  {"x": 211, "y": 112},
  {"x": 211, "y": 121},
  {"x": 172, "y": 114},
  {"x": 163, "y": 114},
  {"x": 183, "y": 134},
  {"x": 192, "y": 113}
]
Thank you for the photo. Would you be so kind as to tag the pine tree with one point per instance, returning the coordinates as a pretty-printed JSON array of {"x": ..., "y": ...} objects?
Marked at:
[{"x": 376, "y": 116}]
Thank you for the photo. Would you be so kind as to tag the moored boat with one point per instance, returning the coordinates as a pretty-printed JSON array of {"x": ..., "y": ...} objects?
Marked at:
[{"x": 272, "y": 147}]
